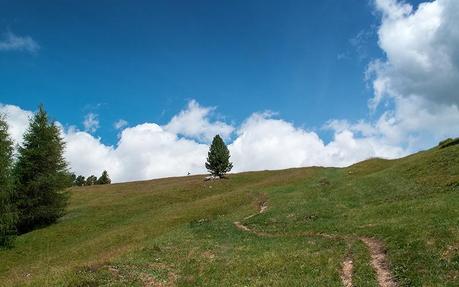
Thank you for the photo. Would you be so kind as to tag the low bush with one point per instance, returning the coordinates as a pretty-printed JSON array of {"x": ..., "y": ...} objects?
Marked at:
[{"x": 448, "y": 142}]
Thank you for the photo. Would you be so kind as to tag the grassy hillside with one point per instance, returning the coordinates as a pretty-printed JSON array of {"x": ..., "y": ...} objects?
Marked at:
[{"x": 181, "y": 231}]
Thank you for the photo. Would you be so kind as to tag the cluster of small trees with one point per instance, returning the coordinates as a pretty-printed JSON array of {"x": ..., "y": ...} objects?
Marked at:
[
  {"x": 32, "y": 182},
  {"x": 92, "y": 180}
]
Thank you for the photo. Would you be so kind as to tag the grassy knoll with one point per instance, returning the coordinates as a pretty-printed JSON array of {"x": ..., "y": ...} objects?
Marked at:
[{"x": 180, "y": 231}]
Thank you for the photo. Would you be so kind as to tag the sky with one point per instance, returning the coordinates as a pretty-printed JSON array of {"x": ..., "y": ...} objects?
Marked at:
[{"x": 139, "y": 88}]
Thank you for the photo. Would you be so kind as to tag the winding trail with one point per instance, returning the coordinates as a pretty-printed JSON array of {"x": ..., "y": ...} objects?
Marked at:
[
  {"x": 375, "y": 247},
  {"x": 379, "y": 262}
]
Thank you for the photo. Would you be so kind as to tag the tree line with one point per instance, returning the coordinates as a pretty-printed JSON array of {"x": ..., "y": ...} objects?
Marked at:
[
  {"x": 34, "y": 178},
  {"x": 91, "y": 180}
]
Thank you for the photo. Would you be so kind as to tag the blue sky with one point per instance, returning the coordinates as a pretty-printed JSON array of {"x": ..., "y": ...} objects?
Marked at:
[
  {"x": 347, "y": 79},
  {"x": 143, "y": 60}
]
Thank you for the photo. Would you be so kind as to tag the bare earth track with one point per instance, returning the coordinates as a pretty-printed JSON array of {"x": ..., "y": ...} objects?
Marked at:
[{"x": 379, "y": 261}]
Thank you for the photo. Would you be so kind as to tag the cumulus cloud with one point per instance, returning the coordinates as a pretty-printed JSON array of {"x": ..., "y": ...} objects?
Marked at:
[
  {"x": 150, "y": 151},
  {"x": 13, "y": 42},
  {"x": 144, "y": 151},
  {"x": 419, "y": 75},
  {"x": 17, "y": 119},
  {"x": 422, "y": 50},
  {"x": 91, "y": 122},
  {"x": 194, "y": 122},
  {"x": 264, "y": 142}
]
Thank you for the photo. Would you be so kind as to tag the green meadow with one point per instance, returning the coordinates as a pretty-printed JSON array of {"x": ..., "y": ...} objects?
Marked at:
[{"x": 181, "y": 231}]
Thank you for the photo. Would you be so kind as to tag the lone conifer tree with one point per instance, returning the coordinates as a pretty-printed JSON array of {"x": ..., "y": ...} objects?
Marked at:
[
  {"x": 41, "y": 174},
  {"x": 7, "y": 214},
  {"x": 218, "y": 158},
  {"x": 104, "y": 178}
]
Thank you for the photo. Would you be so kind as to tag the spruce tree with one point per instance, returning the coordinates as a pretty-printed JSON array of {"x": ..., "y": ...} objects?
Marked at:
[
  {"x": 41, "y": 174},
  {"x": 7, "y": 211},
  {"x": 104, "y": 178},
  {"x": 218, "y": 158}
]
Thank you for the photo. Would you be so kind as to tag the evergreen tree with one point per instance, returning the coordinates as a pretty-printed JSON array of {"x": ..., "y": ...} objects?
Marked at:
[
  {"x": 104, "y": 178},
  {"x": 7, "y": 215},
  {"x": 218, "y": 158},
  {"x": 80, "y": 181},
  {"x": 72, "y": 178},
  {"x": 91, "y": 180},
  {"x": 41, "y": 174}
]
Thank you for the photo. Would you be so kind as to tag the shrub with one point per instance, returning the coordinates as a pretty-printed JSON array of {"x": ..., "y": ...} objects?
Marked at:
[{"x": 448, "y": 142}]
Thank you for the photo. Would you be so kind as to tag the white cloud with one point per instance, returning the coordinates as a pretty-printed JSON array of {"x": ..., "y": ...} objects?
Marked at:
[
  {"x": 142, "y": 152},
  {"x": 420, "y": 74},
  {"x": 267, "y": 143},
  {"x": 17, "y": 120},
  {"x": 91, "y": 122},
  {"x": 12, "y": 42},
  {"x": 194, "y": 122},
  {"x": 119, "y": 124},
  {"x": 422, "y": 50},
  {"x": 150, "y": 151}
]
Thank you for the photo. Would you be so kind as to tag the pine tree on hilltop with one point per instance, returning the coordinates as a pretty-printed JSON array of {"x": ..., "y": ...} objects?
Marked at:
[
  {"x": 7, "y": 211},
  {"x": 218, "y": 163},
  {"x": 41, "y": 175},
  {"x": 104, "y": 178}
]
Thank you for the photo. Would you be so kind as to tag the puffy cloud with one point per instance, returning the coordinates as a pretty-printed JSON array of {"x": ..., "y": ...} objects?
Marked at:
[
  {"x": 88, "y": 155},
  {"x": 150, "y": 151},
  {"x": 194, "y": 122},
  {"x": 12, "y": 42},
  {"x": 267, "y": 143},
  {"x": 17, "y": 119},
  {"x": 142, "y": 152},
  {"x": 422, "y": 50},
  {"x": 91, "y": 122},
  {"x": 419, "y": 75},
  {"x": 147, "y": 151}
]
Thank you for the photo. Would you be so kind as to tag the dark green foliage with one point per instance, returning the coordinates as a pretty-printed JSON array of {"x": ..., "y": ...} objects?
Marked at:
[
  {"x": 41, "y": 175},
  {"x": 448, "y": 142},
  {"x": 104, "y": 178},
  {"x": 80, "y": 180},
  {"x": 218, "y": 158},
  {"x": 72, "y": 178},
  {"x": 91, "y": 180},
  {"x": 7, "y": 215}
]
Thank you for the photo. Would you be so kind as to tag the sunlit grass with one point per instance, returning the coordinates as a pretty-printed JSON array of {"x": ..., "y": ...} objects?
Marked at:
[{"x": 180, "y": 231}]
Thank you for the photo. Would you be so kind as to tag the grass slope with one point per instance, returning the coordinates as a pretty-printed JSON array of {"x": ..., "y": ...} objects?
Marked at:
[{"x": 180, "y": 231}]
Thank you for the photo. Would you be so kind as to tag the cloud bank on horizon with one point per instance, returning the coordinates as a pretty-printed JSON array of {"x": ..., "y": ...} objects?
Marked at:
[{"x": 415, "y": 89}]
